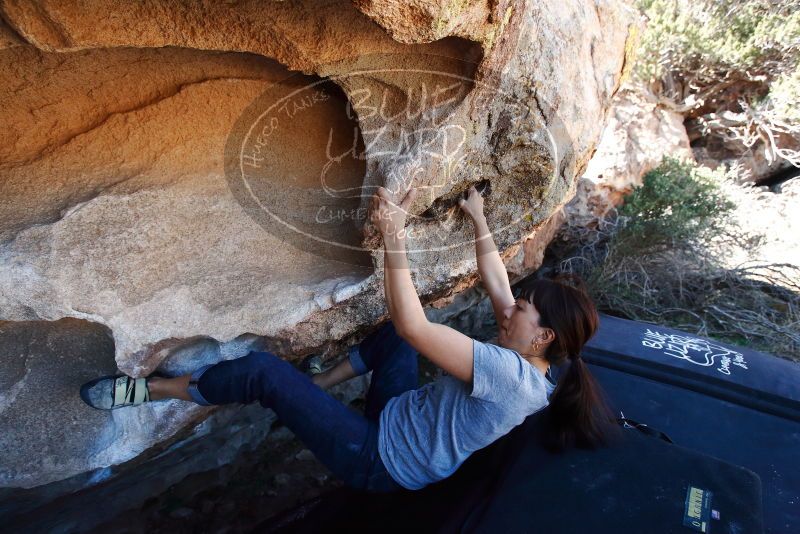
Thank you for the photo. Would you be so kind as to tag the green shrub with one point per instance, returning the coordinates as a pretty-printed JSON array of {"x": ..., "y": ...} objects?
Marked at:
[
  {"x": 785, "y": 94},
  {"x": 737, "y": 58},
  {"x": 677, "y": 201},
  {"x": 745, "y": 35}
]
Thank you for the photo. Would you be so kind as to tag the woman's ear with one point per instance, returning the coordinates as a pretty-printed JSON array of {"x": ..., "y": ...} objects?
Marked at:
[{"x": 548, "y": 335}]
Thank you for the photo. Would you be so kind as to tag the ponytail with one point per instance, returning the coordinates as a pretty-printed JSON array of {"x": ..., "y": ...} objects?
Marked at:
[{"x": 578, "y": 414}]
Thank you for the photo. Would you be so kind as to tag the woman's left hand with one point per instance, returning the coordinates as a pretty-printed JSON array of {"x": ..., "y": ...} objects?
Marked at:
[{"x": 388, "y": 217}]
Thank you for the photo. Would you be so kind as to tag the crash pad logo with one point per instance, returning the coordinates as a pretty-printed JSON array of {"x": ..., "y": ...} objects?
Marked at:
[
  {"x": 305, "y": 157},
  {"x": 695, "y": 350}
]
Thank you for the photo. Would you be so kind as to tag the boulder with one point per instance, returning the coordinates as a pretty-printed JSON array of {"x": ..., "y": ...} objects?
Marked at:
[
  {"x": 192, "y": 178},
  {"x": 638, "y": 135}
]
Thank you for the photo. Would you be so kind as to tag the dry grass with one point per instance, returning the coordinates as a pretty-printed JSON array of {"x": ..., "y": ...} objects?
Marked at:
[{"x": 690, "y": 283}]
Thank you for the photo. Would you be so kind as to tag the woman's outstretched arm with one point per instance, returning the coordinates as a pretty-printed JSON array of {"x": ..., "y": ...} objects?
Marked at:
[
  {"x": 490, "y": 266},
  {"x": 449, "y": 349}
]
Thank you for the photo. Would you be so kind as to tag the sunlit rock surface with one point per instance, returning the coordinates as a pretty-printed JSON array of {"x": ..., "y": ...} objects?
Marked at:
[
  {"x": 120, "y": 205},
  {"x": 638, "y": 135}
]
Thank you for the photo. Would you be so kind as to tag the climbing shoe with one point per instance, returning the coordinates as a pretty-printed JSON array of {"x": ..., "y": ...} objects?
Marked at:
[
  {"x": 312, "y": 365},
  {"x": 112, "y": 392}
]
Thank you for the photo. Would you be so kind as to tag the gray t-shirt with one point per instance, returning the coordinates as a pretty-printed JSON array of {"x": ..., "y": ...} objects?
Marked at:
[{"x": 426, "y": 434}]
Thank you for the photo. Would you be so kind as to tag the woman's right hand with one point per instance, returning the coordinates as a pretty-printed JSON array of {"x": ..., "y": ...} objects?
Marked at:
[{"x": 473, "y": 205}]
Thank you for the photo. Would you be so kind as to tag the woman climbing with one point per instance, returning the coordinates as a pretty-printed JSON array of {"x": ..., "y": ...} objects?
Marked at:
[{"x": 410, "y": 437}]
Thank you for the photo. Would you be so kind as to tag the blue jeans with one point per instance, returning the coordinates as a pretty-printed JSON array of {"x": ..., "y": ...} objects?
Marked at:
[{"x": 346, "y": 442}]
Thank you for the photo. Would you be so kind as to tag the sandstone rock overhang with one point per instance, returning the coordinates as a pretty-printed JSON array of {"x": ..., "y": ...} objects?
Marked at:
[{"x": 116, "y": 205}]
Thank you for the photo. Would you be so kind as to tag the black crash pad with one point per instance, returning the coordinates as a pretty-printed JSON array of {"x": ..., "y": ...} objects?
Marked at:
[
  {"x": 730, "y": 402},
  {"x": 638, "y": 485}
]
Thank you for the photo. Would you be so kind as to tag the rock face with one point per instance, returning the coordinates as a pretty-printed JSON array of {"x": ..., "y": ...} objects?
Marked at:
[
  {"x": 193, "y": 177},
  {"x": 638, "y": 135},
  {"x": 71, "y": 434}
]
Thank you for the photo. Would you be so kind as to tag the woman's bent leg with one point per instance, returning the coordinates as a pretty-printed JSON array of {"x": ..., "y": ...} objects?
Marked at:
[
  {"x": 342, "y": 440},
  {"x": 393, "y": 363}
]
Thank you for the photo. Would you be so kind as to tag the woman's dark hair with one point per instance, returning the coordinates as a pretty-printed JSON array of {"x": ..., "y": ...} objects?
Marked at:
[{"x": 578, "y": 414}]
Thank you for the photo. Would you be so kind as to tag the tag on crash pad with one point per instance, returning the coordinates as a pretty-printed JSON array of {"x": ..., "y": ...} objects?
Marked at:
[{"x": 697, "y": 510}]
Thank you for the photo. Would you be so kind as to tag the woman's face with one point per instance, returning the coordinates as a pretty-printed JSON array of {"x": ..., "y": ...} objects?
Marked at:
[{"x": 520, "y": 327}]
